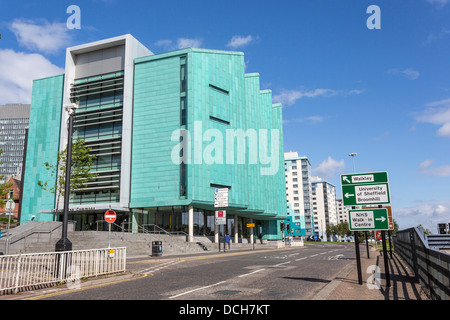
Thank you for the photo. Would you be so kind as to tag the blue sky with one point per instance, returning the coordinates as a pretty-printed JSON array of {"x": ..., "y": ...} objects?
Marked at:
[{"x": 382, "y": 93}]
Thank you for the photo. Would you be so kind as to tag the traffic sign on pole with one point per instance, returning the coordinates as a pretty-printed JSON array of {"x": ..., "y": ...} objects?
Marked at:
[
  {"x": 110, "y": 216},
  {"x": 365, "y": 189},
  {"x": 221, "y": 217},
  {"x": 221, "y": 197},
  {"x": 368, "y": 219}
]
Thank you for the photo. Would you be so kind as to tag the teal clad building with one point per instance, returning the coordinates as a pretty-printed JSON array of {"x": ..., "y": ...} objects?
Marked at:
[{"x": 168, "y": 130}]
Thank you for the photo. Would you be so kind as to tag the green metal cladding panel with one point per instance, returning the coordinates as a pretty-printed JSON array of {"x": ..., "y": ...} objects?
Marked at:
[
  {"x": 224, "y": 71},
  {"x": 217, "y": 88},
  {"x": 156, "y": 115},
  {"x": 43, "y": 146}
]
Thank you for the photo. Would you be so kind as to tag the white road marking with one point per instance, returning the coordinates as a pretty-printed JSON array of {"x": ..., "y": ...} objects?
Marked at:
[
  {"x": 190, "y": 291},
  {"x": 301, "y": 259},
  {"x": 247, "y": 274}
]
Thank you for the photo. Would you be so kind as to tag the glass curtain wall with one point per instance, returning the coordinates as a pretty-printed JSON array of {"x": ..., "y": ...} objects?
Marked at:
[{"x": 98, "y": 121}]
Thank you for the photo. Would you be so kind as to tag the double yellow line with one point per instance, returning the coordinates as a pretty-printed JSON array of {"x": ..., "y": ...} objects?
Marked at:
[{"x": 68, "y": 291}]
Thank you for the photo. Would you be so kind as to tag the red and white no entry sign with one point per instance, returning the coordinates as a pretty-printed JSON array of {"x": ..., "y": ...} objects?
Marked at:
[{"x": 110, "y": 216}]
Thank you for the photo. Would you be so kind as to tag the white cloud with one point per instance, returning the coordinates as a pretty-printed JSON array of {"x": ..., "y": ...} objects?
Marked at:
[
  {"x": 327, "y": 169},
  {"x": 427, "y": 214},
  {"x": 441, "y": 171},
  {"x": 383, "y": 136},
  {"x": 310, "y": 119},
  {"x": 438, "y": 116},
  {"x": 181, "y": 43},
  {"x": 409, "y": 73},
  {"x": 290, "y": 97},
  {"x": 426, "y": 163},
  {"x": 239, "y": 41},
  {"x": 188, "y": 43},
  {"x": 41, "y": 36},
  {"x": 19, "y": 69},
  {"x": 432, "y": 37},
  {"x": 439, "y": 3}
]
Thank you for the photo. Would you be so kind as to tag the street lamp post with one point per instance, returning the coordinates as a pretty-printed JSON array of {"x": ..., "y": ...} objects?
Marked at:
[
  {"x": 353, "y": 155},
  {"x": 64, "y": 243},
  {"x": 9, "y": 207}
]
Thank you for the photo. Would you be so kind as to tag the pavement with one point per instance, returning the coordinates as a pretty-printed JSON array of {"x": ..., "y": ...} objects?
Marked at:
[
  {"x": 345, "y": 285},
  {"x": 374, "y": 286}
]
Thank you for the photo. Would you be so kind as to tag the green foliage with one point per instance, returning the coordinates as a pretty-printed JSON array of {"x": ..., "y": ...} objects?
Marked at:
[
  {"x": 81, "y": 166},
  {"x": 341, "y": 229},
  {"x": 4, "y": 187}
]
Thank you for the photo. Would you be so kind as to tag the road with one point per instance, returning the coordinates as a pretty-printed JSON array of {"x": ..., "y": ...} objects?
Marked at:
[{"x": 279, "y": 274}]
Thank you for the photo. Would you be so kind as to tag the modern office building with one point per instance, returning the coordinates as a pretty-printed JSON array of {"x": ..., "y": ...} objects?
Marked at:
[
  {"x": 167, "y": 131},
  {"x": 13, "y": 124},
  {"x": 297, "y": 170},
  {"x": 324, "y": 205}
]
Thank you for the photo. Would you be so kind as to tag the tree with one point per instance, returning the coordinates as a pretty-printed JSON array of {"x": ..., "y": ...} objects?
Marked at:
[
  {"x": 4, "y": 187},
  {"x": 80, "y": 172},
  {"x": 343, "y": 229}
]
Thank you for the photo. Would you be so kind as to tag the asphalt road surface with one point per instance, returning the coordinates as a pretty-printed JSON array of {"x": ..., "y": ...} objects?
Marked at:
[{"x": 279, "y": 274}]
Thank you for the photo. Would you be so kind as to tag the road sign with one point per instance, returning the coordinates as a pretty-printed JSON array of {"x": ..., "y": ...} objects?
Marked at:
[
  {"x": 391, "y": 220},
  {"x": 10, "y": 205},
  {"x": 221, "y": 217},
  {"x": 365, "y": 188},
  {"x": 110, "y": 216},
  {"x": 378, "y": 235},
  {"x": 354, "y": 195},
  {"x": 221, "y": 197},
  {"x": 250, "y": 225},
  {"x": 364, "y": 178},
  {"x": 368, "y": 219}
]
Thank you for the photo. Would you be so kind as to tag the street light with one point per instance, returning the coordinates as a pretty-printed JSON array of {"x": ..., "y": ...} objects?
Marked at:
[
  {"x": 353, "y": 155},
  {"x": 64, "y": 244},
  {"x": 10, "y": 204}
]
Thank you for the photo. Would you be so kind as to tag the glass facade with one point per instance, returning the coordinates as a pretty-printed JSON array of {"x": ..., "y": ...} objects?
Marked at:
[
  {"x": 176, "y": 218},
  {"x": 98, "y": 121}
]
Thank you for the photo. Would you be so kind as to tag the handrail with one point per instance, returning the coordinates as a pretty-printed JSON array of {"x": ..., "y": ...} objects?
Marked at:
[
  {"x": 104, "y": 221},
  {"x": 28, "y": 233},
  {"x": 158, "y": 229}
]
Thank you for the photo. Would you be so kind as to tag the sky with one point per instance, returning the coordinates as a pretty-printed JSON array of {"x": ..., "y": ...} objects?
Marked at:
[{"x": 345, "y": 86}]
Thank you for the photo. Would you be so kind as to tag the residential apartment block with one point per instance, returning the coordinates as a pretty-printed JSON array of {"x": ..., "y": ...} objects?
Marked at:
[
  {"x": 324, "y": 205},
  {"x": 298, "y": 194}
]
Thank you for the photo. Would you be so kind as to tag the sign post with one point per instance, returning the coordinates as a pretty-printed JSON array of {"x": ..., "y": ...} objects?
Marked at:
[
  {"x": 372, "y": 188},
  {"x": 221, "y": 201},
  {"x": 110, "y": 217},
  {"x": 252, "y": 225},
  {"x": 10, "y": 205}
]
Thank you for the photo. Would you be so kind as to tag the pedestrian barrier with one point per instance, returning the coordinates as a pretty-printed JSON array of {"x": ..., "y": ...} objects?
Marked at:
[
  {"x": 431, "y": 267},
  {"x": 27, "y": 271}
]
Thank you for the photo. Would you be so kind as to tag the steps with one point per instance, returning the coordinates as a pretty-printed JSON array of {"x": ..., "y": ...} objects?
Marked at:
[
  {"x": 438, "y": 241},
  {"x": 136, "y": 244}
]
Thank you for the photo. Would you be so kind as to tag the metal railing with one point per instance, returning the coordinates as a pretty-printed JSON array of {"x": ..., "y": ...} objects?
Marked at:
[
  {"x": 34, "y": 234},
  {"x": 26, "y": 271},
  {"x": 431, "y": 267}
]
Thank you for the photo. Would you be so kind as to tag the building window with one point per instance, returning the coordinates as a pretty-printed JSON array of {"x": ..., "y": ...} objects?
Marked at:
[
  {"x": 219, "y": 120},
  {"x": 218, "y": 89}
]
